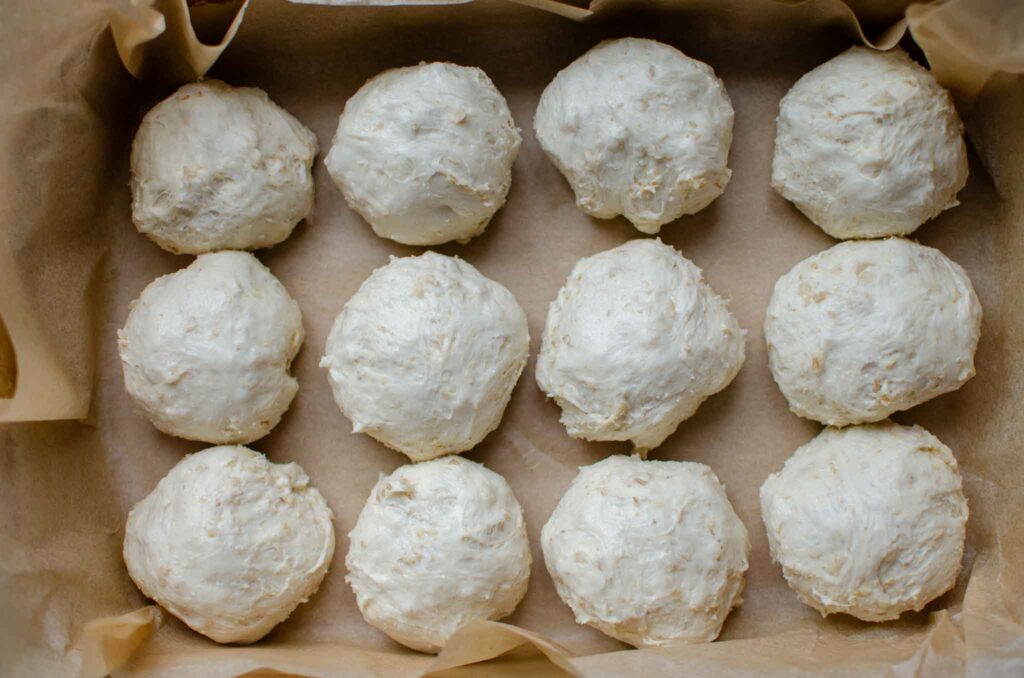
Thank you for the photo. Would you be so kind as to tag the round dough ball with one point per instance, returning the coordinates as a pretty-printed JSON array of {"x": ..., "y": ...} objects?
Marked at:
[
  {"x": 425, "y": 355},
  {"x": 634, "y": 343},
  {"x": 869, "y": 145},
  {"x": 216, "y": 167},
  {"x": 425, "y": 153},
  {"x": 438, "y": 545},
  {"x": 867, "y": 520},
  {"x": 638, "y": 129},
  {"x": 206, "y": 351},
  {"x": 229, "y": 543},
  {"x": 649, "y": 552},
  {"x": 871, "y": 327}
]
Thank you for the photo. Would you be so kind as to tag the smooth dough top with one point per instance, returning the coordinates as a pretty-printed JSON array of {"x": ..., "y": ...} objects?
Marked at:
[
  {"x": 634, "y": 343},
  {"x": 867, "y": 328},
  {"x": 425, "y": 355},
  {"x": 867, "y": 520},
  {"x": 869, "y": 145},
  {"x": 425, "y": 153},
  {"x": 439, "y": 544},
  {"x": 649, "y": 552},
  {"x": 216, "y": 167},
  {"x": 206, "y": 351},
  {"x": 638, "y": 129},
  {"x": 230, "y": 543}
]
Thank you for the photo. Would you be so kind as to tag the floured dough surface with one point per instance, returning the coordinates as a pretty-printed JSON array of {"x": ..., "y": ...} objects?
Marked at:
[
  {"x": 439, "y": 544},
  {"x": 206, "y": 351},
  {"x": 216, "y": 167},
  {"x": 868, "y": 144},
  {"x": 868, "y": 328},
  {"x": 634, "y": 343},
  {"x": 425, "y": 153},
  {"x": 649, "y": 552},
  {"x": 638, "y": 129},
  {"x": 867, "y": 520},
  {"x": 230, "y": 543}
]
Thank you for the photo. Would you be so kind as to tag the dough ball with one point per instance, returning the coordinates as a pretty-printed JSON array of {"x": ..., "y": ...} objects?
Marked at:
[
  {"x": 649, "y": 552},
  {"x": 438, "y": 545},
  {"x": 229, "y": 543},
  {"x": 206, "y": 351},
  {"x": 216, "y": 167},
  {"x": 869, "y": 328},
  {"x": 425, "y": 153},
  {"x": 867, "y": 520},
  {"x": 425, "y": 355},
  {"x": 634, "y": 343},
  {"x": 869, "y": 145},
  {"x": 638, "y": 129}
]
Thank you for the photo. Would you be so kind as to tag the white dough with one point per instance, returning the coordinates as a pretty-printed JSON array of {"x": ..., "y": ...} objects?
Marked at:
[
  {"x": 206, "y": 350},
  {"x": 634, "y": 343},
  {"x": 229, "y": 543},
  {"x": 871, "y": 327},
  {"x": 216, "y": 167},
  {"x": 639, "y": 129},
  {"x": 438, "y": 545},
  {"x": 867, "y": 520},
  {"x": 425, "y": 153},
  {"x": 869, "y": 145},
  {"x": 648, "y": 552},
  {"x": 425, "y": 355}
]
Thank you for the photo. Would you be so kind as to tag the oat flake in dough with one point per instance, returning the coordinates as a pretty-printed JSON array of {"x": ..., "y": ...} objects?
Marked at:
[
  {"x": 230, "y": 543},
  {"x": 439, "y": 544},
  {"x": 867, "y": 520}
]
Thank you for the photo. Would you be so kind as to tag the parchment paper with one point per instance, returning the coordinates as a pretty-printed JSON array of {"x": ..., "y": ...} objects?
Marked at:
[{"x": 71, "y": 261}]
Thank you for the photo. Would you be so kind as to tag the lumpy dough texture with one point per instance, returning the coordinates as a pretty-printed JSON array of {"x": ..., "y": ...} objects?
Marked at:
[
  {"x": 425, "y": 153},
  {"x": 425, "y": 355},
  {"x": 206, "y": 351},
  {"x": 649, "y": 552},
  {"x": 869, "y": 145},
  {"x": 216, "y": 167},
  {"x": 634, "y": 343},
  {"x": 638, "y": 129},
  {"x": 229, "y": 543},
  {"x": 867, "y": 520},
  {"x": 439, "y": 544},
  {"x": 871, "y": 327}
]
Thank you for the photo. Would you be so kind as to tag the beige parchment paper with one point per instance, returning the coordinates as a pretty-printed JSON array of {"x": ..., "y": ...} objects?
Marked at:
[{"x": 70, "y": 262}]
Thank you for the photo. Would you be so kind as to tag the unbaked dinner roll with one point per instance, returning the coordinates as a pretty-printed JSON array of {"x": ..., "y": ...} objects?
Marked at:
[
  {"x": 634, "y": 343},
  {"x": 206, "y": 351},
  {"x": 867, "y": 520},
  {"x": 229, "y": 543},
  {"x": 438, "y": 545},
  {"x": 425, "y": 355},
  {"x": 425, "y": 153},
  {"x": 869, "y": 145},
  {"x": 216, "y": 167},
  {"x": 867, "y": 328},
  {"x": 648, "y": 552},
  {"x": 638, "y": 129}
]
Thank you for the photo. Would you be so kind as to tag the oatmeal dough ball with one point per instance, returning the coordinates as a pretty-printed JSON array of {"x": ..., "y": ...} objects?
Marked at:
[
  {"x": 869, "y": 145},
  {"x": 871, "y": 327},
  {"x": 206, "y": 351},
  {"x": 638, "y": 129},
  {"x": 425, "y": 153},
  {"x": 438, "y": 545},
  {"x": 634, "y": 343},
  {"x": 867, "y": 520},
  {"x": 649, "y": 552},
  {"x": 425, "y": 355},
  {"x": 230, "y": 543},
  {"x": 216, "y": 167}
]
